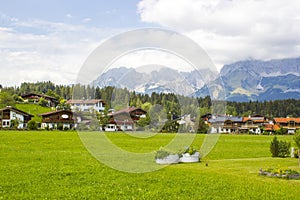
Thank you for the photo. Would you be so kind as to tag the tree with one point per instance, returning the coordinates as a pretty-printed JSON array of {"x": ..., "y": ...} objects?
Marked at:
[
  {"x": 6, "y": 99},
  {"x": 279, "y": 148},
  {"x": 274, "y": 147},
  {"x": 202, "y": 127},
  {"x": 297, "y": 141},
  {"x": 43, "y": 102}
]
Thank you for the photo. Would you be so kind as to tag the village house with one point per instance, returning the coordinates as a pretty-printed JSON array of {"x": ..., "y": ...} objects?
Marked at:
[
  {"x": 124, "y": 119},
  {"x": 225, "y": 124},
  {"x": 291, "y": 124},
  {"x": 188, "y": 122},
  {"x": 63, "y": 119},
  {"x": 10, "y": 117},
  {"x": 253, "y": 124},
  {"x": 87, "y": 105},
  {"x": 34, "y": 97}
]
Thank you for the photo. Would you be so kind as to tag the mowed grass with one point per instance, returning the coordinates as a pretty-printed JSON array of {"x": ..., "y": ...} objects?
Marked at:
[
  {"x": 55, "y": 165},
  {"x": 33, "y": 109}
]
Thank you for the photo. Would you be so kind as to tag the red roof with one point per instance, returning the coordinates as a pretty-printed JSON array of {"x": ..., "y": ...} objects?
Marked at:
[
  {"x": 286, "y": 120},
  {"x": 271, "y": 127}
]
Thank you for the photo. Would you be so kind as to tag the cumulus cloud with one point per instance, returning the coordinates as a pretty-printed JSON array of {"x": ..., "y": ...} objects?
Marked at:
[{"x": 231, "y": 30}]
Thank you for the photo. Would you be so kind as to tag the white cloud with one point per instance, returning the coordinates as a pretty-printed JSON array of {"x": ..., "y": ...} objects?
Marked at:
[
  {"x": 87, "y": 20},
  {"x": 231, "y": 30},
  {"x": 140, "y": 58},
  {"x": 39, "y": 50}
]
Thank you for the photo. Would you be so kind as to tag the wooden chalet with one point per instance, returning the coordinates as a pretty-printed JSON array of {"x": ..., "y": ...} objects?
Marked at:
[
  {"x": 125, "y": 119},
  {"x": 225, "y": 124},
  {"x": 291, "y": 124},
  {"x": 253, "y": 124},
  {"x": 54, "y": 119},
  {"x": 10, "y": 115},
  {"x": 34, "y": 97}
]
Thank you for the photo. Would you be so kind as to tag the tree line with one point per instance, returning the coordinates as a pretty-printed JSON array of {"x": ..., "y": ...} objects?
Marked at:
[{"x": 173, "y": 104}]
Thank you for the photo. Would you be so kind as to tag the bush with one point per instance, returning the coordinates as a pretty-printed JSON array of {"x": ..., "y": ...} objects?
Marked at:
[
  {"x": 284, "y": 149},
  {"x": 32, "y": 125},
  {"x": 60, "y": 127},
  {"x": 280, "y": 148},
  {"x": 296, "y": 153}
]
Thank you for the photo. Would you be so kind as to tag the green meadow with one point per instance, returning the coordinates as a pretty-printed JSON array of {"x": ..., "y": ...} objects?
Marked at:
[{"x": 56, "y": 165}]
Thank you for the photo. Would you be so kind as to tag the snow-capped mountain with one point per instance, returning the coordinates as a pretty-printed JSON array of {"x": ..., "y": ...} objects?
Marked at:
[
  {"x": 241, "y": 81},
  {"x": 155, "y": 78},
  {"x": 260, "y": 80}
]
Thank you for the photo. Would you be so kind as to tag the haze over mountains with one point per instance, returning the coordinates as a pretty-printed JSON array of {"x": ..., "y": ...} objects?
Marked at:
[{"x": 242, "y": 81}]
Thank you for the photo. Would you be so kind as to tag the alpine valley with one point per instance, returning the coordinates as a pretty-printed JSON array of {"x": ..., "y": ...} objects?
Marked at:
[{"x": 242, "y": 81}]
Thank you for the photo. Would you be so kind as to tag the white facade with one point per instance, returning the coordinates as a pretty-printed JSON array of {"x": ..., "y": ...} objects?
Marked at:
[
  {"x": 6, "y": 123},
  {"x": 16, "y": 116},
  {"x": 87, "y": 105},
  {"x": 111, "y": 127}
]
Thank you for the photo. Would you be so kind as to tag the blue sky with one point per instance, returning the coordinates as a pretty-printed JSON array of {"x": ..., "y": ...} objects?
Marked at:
[
  {"x": 98, "y": 13},
  {"x": 51, "y": 39}
]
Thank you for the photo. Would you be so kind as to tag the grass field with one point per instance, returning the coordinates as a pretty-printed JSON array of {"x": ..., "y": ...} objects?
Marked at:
[
  {"x": 33, "y": 109},
  {"x": 56, "y": 165}
]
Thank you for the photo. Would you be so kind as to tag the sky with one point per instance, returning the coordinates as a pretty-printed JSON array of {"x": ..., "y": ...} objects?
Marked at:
[{"x": 51, "y": 39}]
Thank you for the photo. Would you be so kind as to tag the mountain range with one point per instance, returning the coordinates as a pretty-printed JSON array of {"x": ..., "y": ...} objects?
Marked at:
[{"x": 241, "y": 81}]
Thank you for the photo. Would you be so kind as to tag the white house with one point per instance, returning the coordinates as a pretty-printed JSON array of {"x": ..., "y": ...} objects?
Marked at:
[
  {"x": 87, "y": 105},
  {"x": 10, "y": 116}
]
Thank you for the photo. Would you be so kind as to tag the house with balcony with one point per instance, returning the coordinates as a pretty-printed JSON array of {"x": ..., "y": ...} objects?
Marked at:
[
  {"x": 225, "y": 124},
  {"x": 35, "y": 97},
  {"x": 124, "y": 119},
  {"x": 291, "y": 124},
  {"x": 87, "y": 105},
  {"x": 10, "y": 117},
  {"x": 253, "y": 124},
  {"x": 59, "y": 118}
]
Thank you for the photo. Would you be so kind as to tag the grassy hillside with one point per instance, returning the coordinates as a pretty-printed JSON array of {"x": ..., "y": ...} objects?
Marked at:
[
  {"x": 33, "y": 109},
  {"x": 55, "y": 165}
]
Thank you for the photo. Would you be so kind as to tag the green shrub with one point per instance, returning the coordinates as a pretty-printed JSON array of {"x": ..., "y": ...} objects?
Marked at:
[
  {"x": 296, "y": 153},
  {"x": 284, "y": 149},
  {"x": 280, "y": 148},
  {"x": 32, "y": 125}
]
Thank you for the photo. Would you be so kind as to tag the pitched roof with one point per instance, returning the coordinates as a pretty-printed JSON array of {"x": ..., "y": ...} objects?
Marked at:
[
  {"x": 39, "y": 95},
  {"x": 54, "y": 112},
  {"x": 84, "y": 101},
  {"x": 286, "y": 120},
  {"x": 225, "y": 118},
  {"x": 127, "y": 110},
  {"x": 16, "y": 110},
  {"x": 254, "y": 119}
]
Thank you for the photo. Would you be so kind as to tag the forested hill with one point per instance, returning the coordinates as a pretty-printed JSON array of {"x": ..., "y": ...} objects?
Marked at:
[{"x": 120, "y": 98}]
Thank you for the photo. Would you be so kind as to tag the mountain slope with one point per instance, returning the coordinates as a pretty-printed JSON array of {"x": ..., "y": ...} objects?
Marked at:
[
  {"x": 155, "y": 79},
  {"x": 242, "y": 81},
  {"x": 260, "y": 80}
]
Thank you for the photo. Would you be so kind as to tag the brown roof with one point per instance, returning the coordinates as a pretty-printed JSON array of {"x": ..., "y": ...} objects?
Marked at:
[
  {"x": 54, "y": 112},
  {"x": 286, "y": 120},
  {"x": 38, "y": 95},
  {"x": 87, "y": 101},
  {"x": 126, "y": 110},
  {"x": 16, "y": 110}
]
